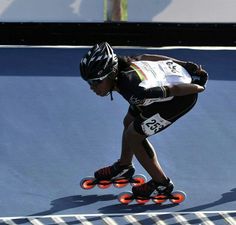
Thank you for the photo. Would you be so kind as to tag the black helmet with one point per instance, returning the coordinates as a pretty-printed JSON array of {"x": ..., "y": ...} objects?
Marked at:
[{"x": 99, "y": 62}]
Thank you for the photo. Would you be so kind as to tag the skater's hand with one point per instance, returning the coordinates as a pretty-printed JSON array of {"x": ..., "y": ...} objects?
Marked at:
[
  {"x": 199, "y": 75},
  {"x": 192, "y": 68}
]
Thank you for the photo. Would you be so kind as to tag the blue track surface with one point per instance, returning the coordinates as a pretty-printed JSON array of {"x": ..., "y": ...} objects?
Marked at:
[{"x": 54, "y": 132}]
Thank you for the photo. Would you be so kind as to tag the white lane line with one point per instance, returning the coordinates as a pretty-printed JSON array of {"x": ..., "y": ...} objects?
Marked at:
[
  {"x": 35, "y": 221},
  {"x": 108, "y": 220},
  {"x": 181, "y": 219},
  {"x": 156, "y": 219},
  {"x": 9, "y": 221},
  {"x": 132, "y": 220},
  {"x": 83, "y": 220},
  {"x": 118, "y": 214},
  {"x": 229, "y": 219},
  {"x": 59, "y": 220},
  {"x": 204, "y": 218}
]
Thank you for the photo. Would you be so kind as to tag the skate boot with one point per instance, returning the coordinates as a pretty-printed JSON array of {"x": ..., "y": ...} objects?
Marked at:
[
  {"x": 157, "y": 192},
  {"x": 153, "y": 188},
  {"x": 116, "y": 174},
  {"x": 115, "y": 171}
]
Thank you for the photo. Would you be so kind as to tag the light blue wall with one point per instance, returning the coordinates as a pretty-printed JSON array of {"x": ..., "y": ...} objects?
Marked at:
[
  {"x": 51, "y": 10},
  {"x": 138, "y": 10}
]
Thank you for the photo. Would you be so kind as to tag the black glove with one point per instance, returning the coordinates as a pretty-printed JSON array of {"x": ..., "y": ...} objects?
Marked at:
[
  {"x": 200, "y": 78},
  {"x": 191, "y": 67}
]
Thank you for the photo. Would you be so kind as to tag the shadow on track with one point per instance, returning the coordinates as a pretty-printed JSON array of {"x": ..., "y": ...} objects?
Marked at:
[
  {"x": 226, "y": 197},
  {"x": 77, "y": 201},
  {"x": 134, "y": 208},
  {"x": 71, "y": 202}
]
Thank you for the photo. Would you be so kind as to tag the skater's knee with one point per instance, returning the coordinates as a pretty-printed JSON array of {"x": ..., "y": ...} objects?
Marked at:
[
  {"x": 132, "y": 136},
  {"x": 138, "y": 141},
  {"x": 127, "y": 120}
]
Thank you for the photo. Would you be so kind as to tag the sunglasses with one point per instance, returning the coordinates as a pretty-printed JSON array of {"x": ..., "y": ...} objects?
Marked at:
[
  {"x": 94, "y": 82},
  {"x": 99, "y": 80}
]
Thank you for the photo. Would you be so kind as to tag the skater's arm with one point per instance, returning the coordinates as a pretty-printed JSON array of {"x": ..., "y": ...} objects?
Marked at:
[
  {"x": 184, "y": 89},
  {"x": 169, "y": 91}
]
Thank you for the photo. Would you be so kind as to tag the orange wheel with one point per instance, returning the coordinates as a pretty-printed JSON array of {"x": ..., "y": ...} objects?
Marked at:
[
  {"x": 125, "y": 197},
  {"x": 87, "y": 183},
  {"x": 158, "y": 199},
  {"x": 142, "y": 201},
  {"x": 120, "y": 183},
  {"x": 138, "y": 180},
  {"x": 103, "y": 184},
  {"x": 178, "y": 197}
]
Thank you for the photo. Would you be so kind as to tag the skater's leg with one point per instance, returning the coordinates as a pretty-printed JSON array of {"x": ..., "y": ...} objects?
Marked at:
[
  {"x": 126, "y": 153},
  {"x": 145, "y": 153},
  {"x": 125, "y": 161}
]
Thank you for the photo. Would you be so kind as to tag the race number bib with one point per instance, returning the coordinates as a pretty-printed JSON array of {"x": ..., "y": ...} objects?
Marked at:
[
  {"x": 154, "y": 124},
  {"x": 160, "y": 73}
]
